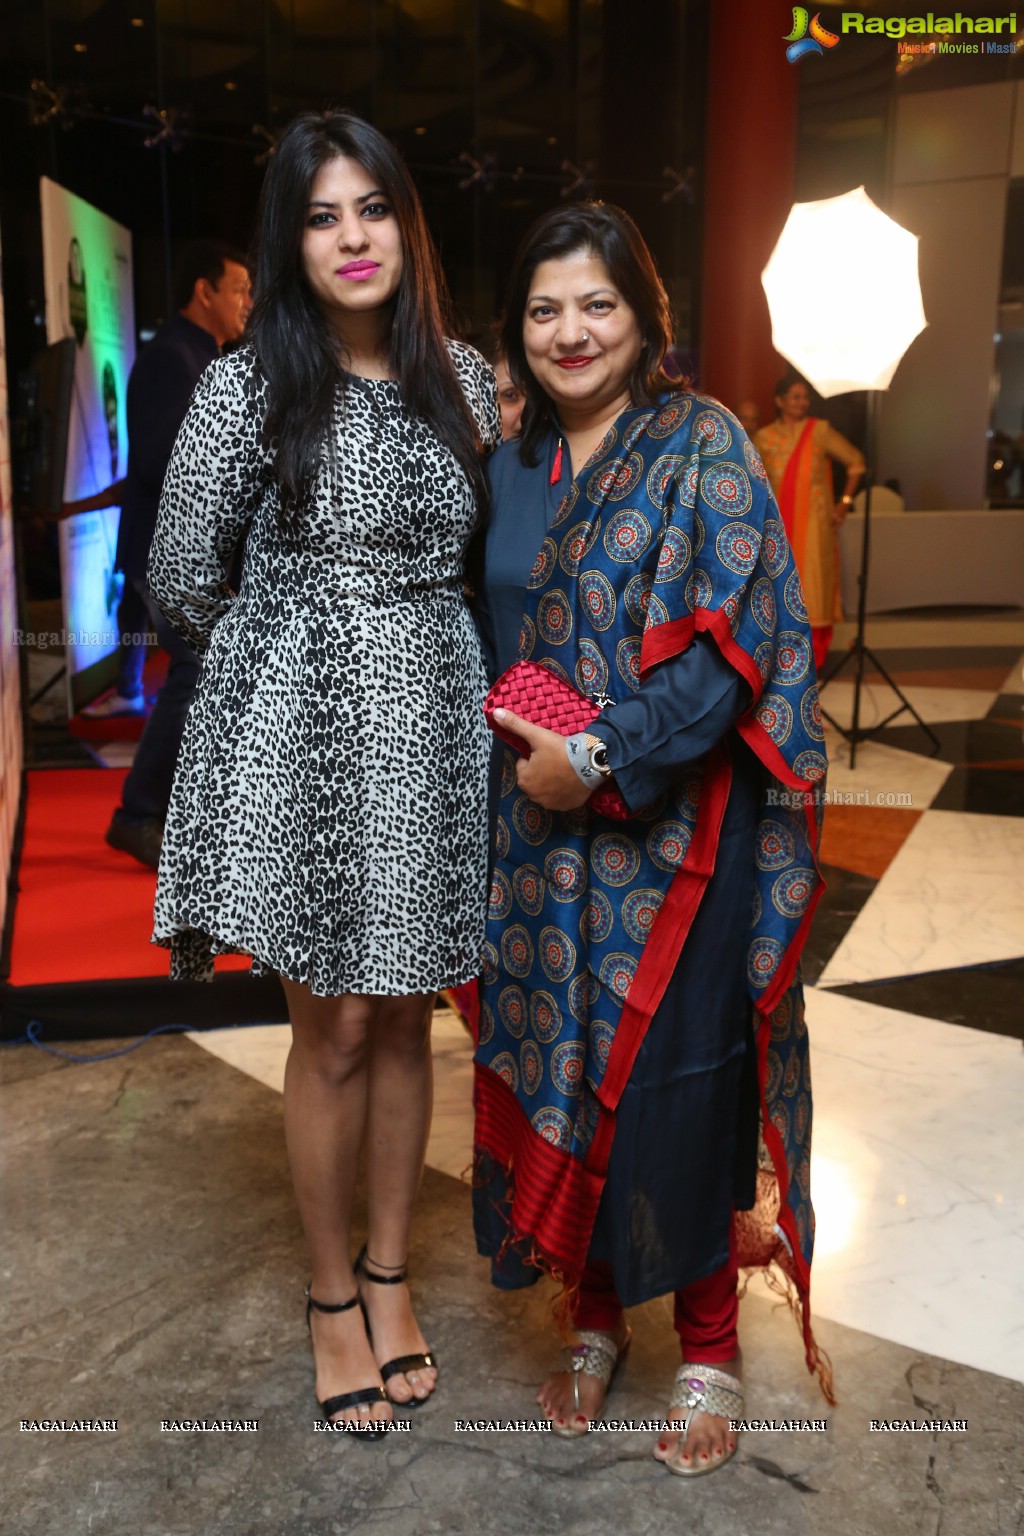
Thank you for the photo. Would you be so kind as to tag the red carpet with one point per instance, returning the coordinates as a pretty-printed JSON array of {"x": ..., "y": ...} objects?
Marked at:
[{"x": 85, "y": 912}]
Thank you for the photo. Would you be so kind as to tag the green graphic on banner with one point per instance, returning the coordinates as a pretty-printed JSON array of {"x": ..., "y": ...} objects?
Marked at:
[{"x": 87, "y": 260}]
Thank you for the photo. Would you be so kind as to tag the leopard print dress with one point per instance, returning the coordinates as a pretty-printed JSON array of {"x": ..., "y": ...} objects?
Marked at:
[{"x": 328, "y": 816}]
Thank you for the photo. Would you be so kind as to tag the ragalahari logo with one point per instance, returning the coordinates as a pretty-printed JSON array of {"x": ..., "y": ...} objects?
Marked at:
[{"x": 808, "y": 35}]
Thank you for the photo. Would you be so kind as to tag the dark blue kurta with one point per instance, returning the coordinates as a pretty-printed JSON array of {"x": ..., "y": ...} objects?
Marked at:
[{"x": 685, "y": 1139}]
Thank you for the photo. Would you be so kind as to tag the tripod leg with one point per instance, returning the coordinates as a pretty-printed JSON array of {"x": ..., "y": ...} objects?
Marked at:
[
  {"x": 840, "y": 664},
  {"x": 835, "y": 670},
  {"x": 855, "y": 730},
  {"x": 904, "y": 701},
  {"x": 860, "y": 645}
]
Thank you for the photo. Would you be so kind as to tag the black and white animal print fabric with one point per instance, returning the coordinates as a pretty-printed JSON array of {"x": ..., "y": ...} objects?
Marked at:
[{"x": 329, "y": 814}]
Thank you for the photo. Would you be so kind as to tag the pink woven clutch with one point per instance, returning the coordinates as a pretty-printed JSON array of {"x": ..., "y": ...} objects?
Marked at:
[{"x": 533, "y": 693}]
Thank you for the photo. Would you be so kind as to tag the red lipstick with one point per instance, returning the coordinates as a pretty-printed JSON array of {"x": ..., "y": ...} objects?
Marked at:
[{"x": 574, "y": 362}]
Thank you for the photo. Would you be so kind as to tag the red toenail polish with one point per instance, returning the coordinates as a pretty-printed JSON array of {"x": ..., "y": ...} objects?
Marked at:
[{"x": 662, "y": 1446}]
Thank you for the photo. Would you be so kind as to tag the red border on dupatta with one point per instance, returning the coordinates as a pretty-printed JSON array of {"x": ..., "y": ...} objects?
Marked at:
[
  {"x": 659, "y": 644},
  {"x": 555, "y": 1195},
  {"x": 760, "y": 743}
]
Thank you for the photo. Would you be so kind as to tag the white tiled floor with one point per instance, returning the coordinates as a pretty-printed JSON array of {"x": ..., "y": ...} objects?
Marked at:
[
  {"x": 952, "y": 896},
  {"x": 116, "y": 754},
  {"x": 883, "y": 776},
  {"x": 918, "y": 1147},
  {"x": 918, "y": 1142},
  {"x": 918, "y": 1135}
]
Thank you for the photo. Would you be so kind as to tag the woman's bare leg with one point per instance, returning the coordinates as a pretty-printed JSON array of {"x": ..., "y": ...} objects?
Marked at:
[
  {"x": 325, "y": 1099},
  {"x": 401, "y": 1087}
]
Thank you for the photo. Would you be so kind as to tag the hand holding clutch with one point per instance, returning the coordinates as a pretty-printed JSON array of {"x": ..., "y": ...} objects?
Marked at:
[
  {"x": 538, "y": 696},
  {"x": 544, "y": 771}
]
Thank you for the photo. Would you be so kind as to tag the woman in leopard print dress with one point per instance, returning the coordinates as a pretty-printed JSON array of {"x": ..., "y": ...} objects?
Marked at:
[{"x": 328, "y": 815}]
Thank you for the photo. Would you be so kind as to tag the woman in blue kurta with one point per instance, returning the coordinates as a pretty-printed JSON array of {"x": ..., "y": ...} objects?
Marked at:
[{"x": 639, "y": 1006}]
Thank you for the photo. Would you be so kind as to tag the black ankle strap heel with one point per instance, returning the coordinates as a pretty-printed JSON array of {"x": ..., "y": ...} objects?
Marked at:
[
  {"x": 360, "y": 1268},
  {"x": 312, "y": 1305},
  {"x": 401, "y": 1363},
  {"x": 344, "y": 1400}
]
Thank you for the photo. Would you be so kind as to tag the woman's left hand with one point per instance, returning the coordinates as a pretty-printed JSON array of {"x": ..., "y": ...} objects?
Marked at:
[
  {"x": 547, "y": 775},
  {"x": 839, "y": 512}
]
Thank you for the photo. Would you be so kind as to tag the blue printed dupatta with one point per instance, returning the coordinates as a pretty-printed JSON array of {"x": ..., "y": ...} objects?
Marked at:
[{"x": 670, "y": 529}]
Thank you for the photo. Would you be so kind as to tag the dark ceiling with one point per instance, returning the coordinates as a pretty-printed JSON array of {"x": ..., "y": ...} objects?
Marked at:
[{"x": 501, "y": 107}]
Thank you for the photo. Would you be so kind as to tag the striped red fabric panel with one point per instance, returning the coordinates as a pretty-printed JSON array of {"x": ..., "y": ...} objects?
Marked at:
[{"x": 554, "y": 1197}]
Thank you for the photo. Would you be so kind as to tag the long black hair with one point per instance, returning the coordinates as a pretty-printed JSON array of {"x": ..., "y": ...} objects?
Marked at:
[
  {"x": 297, "y": 351},
  {"x": 609, "y": 233}
]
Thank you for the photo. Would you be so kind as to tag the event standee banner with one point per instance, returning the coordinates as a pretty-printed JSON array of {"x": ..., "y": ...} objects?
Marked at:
[
  {"x": 87, "y": 261},
  {"x": 10, "y": 682}
]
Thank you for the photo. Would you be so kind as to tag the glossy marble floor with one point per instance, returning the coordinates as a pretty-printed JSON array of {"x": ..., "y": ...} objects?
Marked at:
[
  {"x": 919, "y": 1139},
  {"x": 121, "y": 1300}
]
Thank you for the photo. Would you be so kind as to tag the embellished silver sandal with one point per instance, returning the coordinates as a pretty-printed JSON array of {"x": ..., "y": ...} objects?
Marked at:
[
  {"x": 594, "y": 1354},
  {"x": 704, "y": 1389}
]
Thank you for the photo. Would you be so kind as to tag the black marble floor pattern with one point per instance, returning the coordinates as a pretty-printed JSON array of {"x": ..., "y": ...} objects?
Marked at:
[
  {"x": 841, "y": 901},
  {"x": 982, "y": 751},
  {"x": 988, "y": 997}
]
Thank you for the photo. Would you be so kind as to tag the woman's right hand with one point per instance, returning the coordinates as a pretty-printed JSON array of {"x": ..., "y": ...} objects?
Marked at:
[{"x": 547, "y": 775}]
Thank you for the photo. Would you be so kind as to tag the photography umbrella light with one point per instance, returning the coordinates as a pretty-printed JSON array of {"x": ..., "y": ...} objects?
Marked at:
[{"x": 853, "y": 340}]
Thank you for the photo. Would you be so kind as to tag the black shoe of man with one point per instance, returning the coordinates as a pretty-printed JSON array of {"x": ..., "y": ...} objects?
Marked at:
[{"x": 141, "y": 839}]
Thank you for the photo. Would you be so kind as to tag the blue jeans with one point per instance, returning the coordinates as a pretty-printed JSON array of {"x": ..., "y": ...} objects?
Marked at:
[
  {"x": 147, "y": 789},
  {"x": 132, "y": 620}
]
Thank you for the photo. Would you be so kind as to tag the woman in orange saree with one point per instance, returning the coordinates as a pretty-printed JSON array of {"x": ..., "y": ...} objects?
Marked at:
[{"x": 795, "y": 449}]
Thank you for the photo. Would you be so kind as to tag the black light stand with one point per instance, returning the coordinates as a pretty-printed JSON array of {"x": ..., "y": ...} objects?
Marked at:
[{"x": 860, "y": 649}]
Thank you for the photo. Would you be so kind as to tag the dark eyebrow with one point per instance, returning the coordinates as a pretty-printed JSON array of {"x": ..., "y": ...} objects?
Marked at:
[
  {"x": 323, "y": 203},
  {"x": 536, "y": 298}
]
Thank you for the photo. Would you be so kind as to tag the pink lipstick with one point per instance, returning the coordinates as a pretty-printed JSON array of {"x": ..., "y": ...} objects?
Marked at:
[{"x": 359, "y": 271}]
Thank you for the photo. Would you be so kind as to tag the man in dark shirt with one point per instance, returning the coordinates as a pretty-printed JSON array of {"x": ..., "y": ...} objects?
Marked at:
[{"x": 213, "y": 297}]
